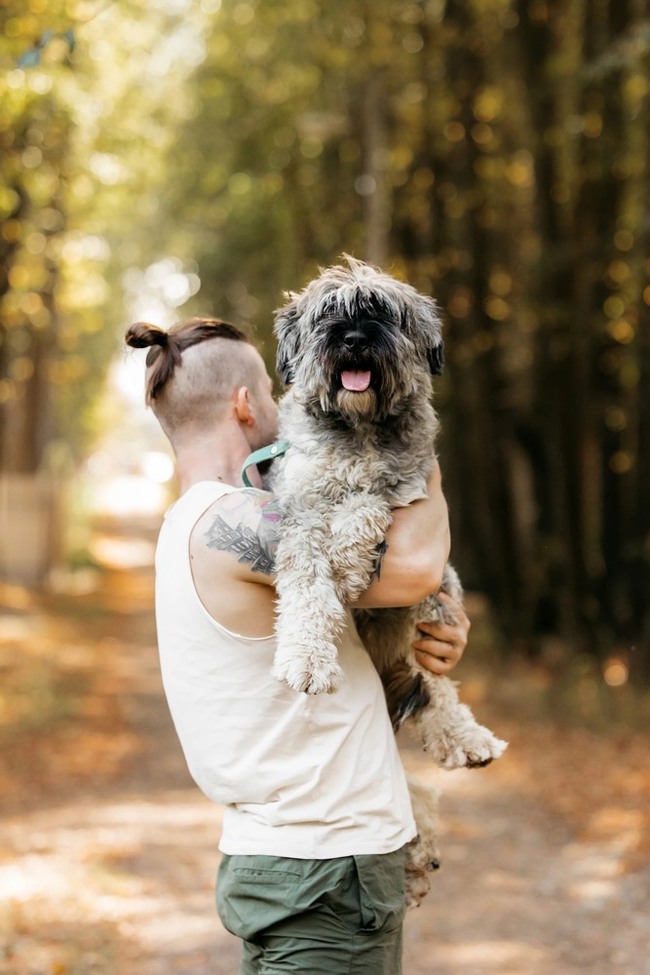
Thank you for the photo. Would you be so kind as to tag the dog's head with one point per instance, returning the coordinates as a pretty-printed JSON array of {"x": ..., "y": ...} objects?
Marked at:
[{"x": 358, "y": 343}]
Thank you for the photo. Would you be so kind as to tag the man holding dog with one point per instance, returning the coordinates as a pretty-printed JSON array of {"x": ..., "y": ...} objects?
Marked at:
[{"x": 316, "y": 809}]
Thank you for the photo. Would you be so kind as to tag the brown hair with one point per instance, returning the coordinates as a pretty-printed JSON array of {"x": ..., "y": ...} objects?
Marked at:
[{"x": 166, "y": 347}]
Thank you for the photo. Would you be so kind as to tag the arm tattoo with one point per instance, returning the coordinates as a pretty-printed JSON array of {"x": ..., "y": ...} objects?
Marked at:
[
  {"x": 381, "y": 550},
  {"x": 243, "y": 542},
  {"x": 252, "y": 534}
]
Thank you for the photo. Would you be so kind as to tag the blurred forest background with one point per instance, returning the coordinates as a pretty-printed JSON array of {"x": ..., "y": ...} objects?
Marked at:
[{"x": 162, "y": 158}]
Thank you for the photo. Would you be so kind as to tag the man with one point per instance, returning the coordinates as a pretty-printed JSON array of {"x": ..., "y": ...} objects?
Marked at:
[{"x": 317, "y": 812}]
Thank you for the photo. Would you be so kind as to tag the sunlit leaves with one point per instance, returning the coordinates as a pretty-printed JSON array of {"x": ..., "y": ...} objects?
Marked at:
[
  {"x": 493, "y": 153},
  {"x": 80, "y": 157}
]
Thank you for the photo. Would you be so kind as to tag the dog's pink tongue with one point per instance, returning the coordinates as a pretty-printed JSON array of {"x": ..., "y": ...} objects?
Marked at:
[{"x": 355, "y": 380}]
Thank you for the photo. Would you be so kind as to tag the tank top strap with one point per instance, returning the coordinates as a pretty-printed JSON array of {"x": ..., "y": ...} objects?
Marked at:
[{"x": 196, "y": 500}]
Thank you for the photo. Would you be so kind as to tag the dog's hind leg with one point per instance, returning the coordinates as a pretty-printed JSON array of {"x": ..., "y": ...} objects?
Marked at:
[
  {"x": 422, "y": 854},
  {"x": 427, "y": 703},
  {"x": 446, "y": 727},
  {"x": 449, "y": 731}
]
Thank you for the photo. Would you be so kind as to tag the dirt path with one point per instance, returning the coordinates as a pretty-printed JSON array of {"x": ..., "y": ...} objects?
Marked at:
[
  {"x": 520, "y": 893},
  {"x": 109, "y": 869}
]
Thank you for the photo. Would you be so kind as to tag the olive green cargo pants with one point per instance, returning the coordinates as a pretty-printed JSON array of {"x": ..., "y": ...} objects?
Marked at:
[{"x": 315, "y": 917}]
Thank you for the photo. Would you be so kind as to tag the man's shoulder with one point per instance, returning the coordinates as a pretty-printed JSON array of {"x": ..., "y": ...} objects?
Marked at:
[
  {"x": 243, "y": 523},
  {"x": 244, "y": 502}
]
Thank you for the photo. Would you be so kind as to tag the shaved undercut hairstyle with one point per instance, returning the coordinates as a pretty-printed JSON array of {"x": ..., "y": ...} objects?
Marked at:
[{"x": 192, "y": 370}]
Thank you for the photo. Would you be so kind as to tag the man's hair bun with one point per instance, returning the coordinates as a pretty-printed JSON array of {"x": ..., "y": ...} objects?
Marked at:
[
  {"x": 141, "y": 335},
  {"x": 163, "y": 352},
  {"x": 165, "y": 348}
]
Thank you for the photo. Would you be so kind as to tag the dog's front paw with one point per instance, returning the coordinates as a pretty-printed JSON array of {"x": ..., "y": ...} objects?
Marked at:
[{"x": 310, "y": 671}]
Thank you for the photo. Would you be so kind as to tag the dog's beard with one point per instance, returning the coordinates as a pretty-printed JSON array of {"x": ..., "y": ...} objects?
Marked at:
[
  {"x": 356, "y": 388},
  {"x": 358, "y": 404},
  {"x": 374, "y": 403}
]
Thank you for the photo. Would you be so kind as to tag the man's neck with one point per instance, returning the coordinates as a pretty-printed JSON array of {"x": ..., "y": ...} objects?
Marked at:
[{"x": 217, "y": 456}]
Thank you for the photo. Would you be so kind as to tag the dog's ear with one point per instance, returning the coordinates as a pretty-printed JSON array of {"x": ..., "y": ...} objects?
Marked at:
[
  {"x": 287, "y": 332},
  {"x": 284, "y": 366},
  {"x": 424, "y": 326},
  {"x": 436, "y": 359}
]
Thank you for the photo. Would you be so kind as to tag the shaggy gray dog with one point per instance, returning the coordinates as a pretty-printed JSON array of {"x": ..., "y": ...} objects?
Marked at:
[{"x": 358, "y": 349}]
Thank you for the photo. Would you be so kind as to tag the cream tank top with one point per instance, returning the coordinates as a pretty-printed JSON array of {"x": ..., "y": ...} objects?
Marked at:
[{"x": 311, "y": 777}]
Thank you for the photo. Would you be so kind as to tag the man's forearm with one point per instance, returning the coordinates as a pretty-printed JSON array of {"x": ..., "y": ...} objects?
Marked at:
[{"x": 416, "y": 554}]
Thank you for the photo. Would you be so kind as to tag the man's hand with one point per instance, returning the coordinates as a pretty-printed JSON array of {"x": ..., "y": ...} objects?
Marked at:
[{"x": 442, "y": 648}]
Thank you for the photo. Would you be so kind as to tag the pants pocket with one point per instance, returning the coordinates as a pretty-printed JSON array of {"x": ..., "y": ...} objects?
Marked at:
[
  {"x": 381, "y": 890},
  {"x": 251, "y": 898}
]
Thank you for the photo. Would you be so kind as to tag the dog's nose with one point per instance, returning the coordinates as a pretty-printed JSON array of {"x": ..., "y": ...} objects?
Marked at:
[{"x": 354, "y": 339}]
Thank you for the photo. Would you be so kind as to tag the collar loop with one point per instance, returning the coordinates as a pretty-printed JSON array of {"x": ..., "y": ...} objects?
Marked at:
[{"x": 269, "y": 452}]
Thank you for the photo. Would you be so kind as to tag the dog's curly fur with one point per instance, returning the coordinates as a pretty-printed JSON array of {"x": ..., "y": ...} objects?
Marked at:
[
  {"x": 422, "y": 856},
  {"x": 357, "y": 349}
]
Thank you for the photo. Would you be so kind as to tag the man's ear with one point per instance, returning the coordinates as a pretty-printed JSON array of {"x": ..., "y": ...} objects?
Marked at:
[{"x": 242, "y": 406}]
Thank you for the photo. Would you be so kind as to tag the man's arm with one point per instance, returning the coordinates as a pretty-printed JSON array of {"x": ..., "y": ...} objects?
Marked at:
[
  {"x": 417, "y": 552},
  {"x": 246, "y": 525},
  {"x": 233, "y": 550}
]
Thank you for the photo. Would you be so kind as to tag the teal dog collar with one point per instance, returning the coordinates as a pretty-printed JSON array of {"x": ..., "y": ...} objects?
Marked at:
[{"x": 273, "y": 450}]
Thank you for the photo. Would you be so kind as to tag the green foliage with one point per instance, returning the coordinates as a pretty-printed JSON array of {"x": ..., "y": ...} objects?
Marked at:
[
  {"x": 493, "y": 152},
  {"x": 81, "y": 163}
]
